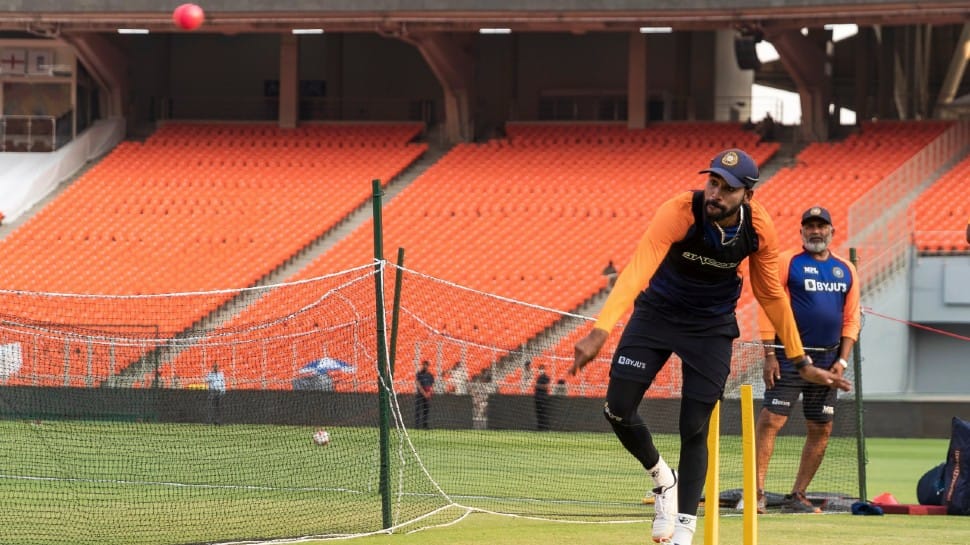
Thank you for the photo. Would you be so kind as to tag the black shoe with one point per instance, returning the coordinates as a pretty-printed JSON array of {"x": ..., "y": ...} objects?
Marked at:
[{"x": 797, "y": 502}]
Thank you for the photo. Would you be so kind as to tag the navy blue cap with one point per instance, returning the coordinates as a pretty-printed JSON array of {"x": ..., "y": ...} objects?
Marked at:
[
  {"x": 736, "y": 167},
  {"x": 817, "y": 213}
]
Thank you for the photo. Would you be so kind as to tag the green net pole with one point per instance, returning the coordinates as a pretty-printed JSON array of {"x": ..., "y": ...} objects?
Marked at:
[
  {"x": 155, "y": 357},
  {"x": 395, "y": 312},
  {"x": 382, "y": 363},
  {"x": 859, "y": 411}
]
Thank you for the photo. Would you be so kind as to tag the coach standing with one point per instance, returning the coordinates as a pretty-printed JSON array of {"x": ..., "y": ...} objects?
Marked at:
[
  {"x": 684, "y": 286},
  {"x": 824, "y": 297}
]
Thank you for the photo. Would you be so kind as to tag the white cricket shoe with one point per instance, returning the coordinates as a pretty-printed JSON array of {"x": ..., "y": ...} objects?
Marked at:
[
  {"x": 665, "y": 511},
  {"x": 684, "y": 530}
]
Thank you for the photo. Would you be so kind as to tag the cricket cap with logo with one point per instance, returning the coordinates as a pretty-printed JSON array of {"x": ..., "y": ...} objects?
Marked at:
[
  {"x": 736, "y": 167},
  {"x": 817, "y": 213}
]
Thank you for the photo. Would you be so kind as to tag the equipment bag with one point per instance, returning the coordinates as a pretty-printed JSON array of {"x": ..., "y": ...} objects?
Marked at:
[
  {"x": 929, "y": 489},
  {"x": 956, "y": 470}
]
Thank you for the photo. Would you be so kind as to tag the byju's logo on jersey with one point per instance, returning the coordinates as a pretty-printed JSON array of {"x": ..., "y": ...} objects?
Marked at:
[
  {"x": 817, "y": 285},
  {"x": 630, "y": 362}
]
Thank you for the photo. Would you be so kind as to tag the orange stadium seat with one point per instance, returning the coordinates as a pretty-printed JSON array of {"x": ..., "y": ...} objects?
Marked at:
[
  {"x": 197, "y": 206},
  {"x": 532, "y": 217},
  {"x": 835, "y": 175},
  {"x": 941, "y": 213},
  {"x": 508, "y": 219}
]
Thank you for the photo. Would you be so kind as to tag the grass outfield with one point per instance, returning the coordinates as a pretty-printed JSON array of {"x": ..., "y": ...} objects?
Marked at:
[
  {"x": 481, "y": 529},
  {"x": 144, "y": 483},
  {"x": 894, "y": 466}
]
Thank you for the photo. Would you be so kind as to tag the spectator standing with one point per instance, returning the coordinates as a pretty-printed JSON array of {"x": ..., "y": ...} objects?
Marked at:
[
  {"x": 481, "y": 388},
  {"x": 766, "y": 128},
  {"x": 422, "y": 405},
  {"x": 525, "y": 383},
  {"x": 215, "y": 383},
  {"x": 560, "y": 388},
  {"x": 458, "y": 379},
  {"x": 541, "y": 395},
  {"x": 610, "y": 273}
]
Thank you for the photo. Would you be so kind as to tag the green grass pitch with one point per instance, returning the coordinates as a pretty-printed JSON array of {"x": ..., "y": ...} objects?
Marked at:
[{"x": 129, "y": 483}]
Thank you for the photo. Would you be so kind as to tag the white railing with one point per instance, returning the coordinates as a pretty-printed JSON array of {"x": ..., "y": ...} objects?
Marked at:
[
  {"x": 29, "y": 133},
  {"x": 880, "y": 223}
]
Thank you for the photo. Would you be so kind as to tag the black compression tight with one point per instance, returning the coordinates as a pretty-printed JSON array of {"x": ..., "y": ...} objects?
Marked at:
[
  {"x": 623, "y": 397},
  {"x": 695, "y": 417}
]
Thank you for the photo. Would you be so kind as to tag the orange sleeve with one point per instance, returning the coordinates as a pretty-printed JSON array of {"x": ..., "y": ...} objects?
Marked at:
[
  {"x": 764, "y": 283},
  {"x": 852, "y": 310},
  {"x": 669, "y": 225},
  {"x": 764, "y": 323}
]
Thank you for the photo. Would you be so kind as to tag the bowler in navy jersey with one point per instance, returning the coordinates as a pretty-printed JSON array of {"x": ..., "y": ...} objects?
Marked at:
[{"x": 683, "y": 284}]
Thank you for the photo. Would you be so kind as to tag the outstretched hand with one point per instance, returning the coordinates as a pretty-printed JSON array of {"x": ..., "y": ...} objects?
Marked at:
[
  {"x": 821, "y": 376},
  {"x": 771, "y": 371},
  {"x": 841, "y": 383},
  {"x": 587, "y": 348}
]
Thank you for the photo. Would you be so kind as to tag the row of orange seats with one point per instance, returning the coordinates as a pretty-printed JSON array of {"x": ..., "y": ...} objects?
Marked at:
[
  {"x": 420, "y": 232},
  {"x": 835, "y": 175},
  {"x": 116, "y": 249},
  {"x": 435, "y": 242},
  {"x": 942, "y": 212}
]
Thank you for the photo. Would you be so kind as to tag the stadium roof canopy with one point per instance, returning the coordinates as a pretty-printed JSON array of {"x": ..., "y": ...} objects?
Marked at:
[{"x": 51, "y": 17}]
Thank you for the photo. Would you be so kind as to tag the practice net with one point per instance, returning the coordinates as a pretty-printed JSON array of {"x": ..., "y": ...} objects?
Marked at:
[{"x": 111, "y": 433}]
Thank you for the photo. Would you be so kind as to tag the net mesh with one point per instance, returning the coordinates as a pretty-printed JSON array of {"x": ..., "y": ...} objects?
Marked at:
[{"x": 110, "y": 434}]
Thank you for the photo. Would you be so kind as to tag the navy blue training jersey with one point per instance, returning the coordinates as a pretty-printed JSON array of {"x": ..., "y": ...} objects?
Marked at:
[{"x": 824, "y": 298}]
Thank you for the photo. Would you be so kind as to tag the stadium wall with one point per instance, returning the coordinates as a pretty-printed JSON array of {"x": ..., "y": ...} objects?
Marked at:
[
  {"x": 885, "y": 344},
  {"x": 27, "y": 178},
  {"x": 915, "y": 327},
  {"x": 927, "y": 419},
  {"x": 733, "y": 85},
  {"x": 940, "y": 301},
  {"x": 213, "y": 76},
  {"x": 364, "y": 76}
]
